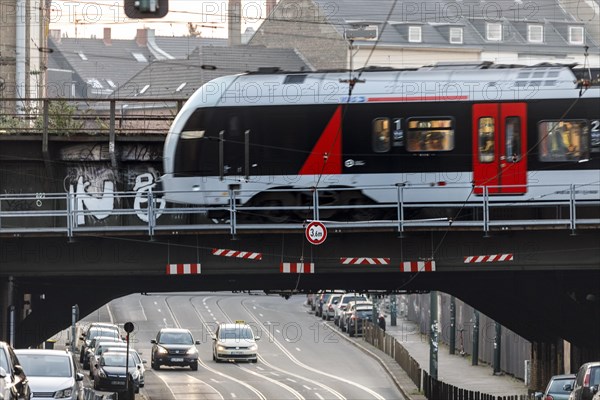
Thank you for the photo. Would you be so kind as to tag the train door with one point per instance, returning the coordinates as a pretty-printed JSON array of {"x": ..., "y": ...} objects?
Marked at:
[
  {"x": 500, "y": 148},
  {"x": 234, "y": 154}
]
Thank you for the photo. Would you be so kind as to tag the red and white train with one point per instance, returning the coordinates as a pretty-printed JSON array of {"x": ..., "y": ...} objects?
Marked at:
[{"x": 516, "y": 133}]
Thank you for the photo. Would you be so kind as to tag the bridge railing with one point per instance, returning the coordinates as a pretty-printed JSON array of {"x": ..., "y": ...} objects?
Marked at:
[
  {"x": 146, "y": 212},
  {"x": 49, "y": 117}
]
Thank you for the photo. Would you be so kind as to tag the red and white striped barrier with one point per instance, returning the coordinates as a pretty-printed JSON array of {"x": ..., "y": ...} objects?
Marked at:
[
  {"x": 417, "y": 266},
  {"x": 183, "y": 269},
  {"x": 364, "y": 260},
  {"x": 490, "y": 258},
  {"x": 297, "y": 268},
  {"x": 236, "y": 253}
]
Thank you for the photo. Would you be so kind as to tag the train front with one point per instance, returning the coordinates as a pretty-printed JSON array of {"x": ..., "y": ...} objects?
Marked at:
[{"x": 190, "y": 153}]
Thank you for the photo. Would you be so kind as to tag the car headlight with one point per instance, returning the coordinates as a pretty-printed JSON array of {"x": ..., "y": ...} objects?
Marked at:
[
  {"x": 162, "y": 350},
  {"x": 135, "y": 375},
  {"x": 192, "y": 350},
  {"x": 61, "y": 394},
  {"x": 253, "y": 347},
  {"x": 221, "y": 348},
  {"x": 101, "y": 373}
]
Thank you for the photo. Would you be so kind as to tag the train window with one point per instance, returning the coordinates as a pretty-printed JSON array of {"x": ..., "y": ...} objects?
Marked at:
[
  {"x": 430, "y": 134},
  {"x": 566, "y": 140},
  {"x": 487, "y": 140},
  {"x": 381, "y": 135},
  {"x": 513, "y": 139}
]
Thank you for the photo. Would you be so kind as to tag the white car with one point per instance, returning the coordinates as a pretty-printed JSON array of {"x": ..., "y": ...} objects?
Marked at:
[
  {"x": 234, "y": 342},
  {"x": 51, "y": 373}
]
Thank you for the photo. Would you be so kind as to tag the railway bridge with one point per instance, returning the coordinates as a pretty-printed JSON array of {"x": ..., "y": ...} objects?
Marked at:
[{"x": 83, "y": 221}]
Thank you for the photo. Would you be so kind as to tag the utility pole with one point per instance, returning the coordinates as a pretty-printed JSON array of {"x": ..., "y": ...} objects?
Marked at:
[
  {"x": 452, "y": 339},
  {"x": 497, "y": 348},
  {"x": 475, "y": 353}
]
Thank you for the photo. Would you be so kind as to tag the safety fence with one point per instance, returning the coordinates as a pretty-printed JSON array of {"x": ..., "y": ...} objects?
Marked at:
[
  {"x": 432, "y": 388},
  {"x": 149, "y": 212}
]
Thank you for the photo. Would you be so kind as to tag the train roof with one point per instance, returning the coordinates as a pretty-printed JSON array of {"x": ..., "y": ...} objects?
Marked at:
[{"x": 441, "y": 82}]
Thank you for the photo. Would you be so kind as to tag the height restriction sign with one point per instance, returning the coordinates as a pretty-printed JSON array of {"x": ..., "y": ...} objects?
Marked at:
[{"x": 316, "y": 233}]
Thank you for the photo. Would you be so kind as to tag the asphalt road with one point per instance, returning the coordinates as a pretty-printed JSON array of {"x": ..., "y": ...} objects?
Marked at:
[{"x": 300, "y": 357}]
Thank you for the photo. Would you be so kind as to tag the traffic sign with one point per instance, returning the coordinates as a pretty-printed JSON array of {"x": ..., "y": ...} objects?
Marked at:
[{"x": 316, "y": 233}]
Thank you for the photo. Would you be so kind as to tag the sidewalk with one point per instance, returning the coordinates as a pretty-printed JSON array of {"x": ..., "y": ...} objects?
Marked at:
[{"x": 453, "y": 369}]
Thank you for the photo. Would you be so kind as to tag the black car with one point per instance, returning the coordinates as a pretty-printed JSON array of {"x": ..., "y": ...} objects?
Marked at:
[
  {"x": 93, "y": 330},
  {"x": 587, "y": 381},
  {"x": 175, "y": 347},
  {"x": 13, "y": 381},
  {"x": 357, "y": 319},
  {"x": 110, "y": 372}
]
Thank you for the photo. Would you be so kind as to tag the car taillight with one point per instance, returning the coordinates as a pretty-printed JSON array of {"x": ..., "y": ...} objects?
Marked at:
[
  {"x": 549, "y": 397},
  {"x": 586, "y": 378}
]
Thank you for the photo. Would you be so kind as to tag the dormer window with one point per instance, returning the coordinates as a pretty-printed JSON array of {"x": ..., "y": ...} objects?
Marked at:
[
  {"x": 493, "y": 31},
  {"x": 456, "y": 35},
  {"x": 414, "y": 34},
  {"x": 535, "y": 33},
  {"x": 576, "y": 35}
]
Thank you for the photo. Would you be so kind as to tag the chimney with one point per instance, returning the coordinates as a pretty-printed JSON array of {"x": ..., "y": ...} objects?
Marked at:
[
  {"x": 107, "y": 37},
  {"x": 141, "y": 38},
  {"x": 55, "y": 35},
  {"x": 234, "y": 22},
  {"x": 270, "y": 7}
]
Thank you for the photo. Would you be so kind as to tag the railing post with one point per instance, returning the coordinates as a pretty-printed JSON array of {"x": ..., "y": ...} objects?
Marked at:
[
  {"x": 112, "y": 135},
  {"x": 70, "y": 214},
  {"x": 151, "y": 221},
  {"x": 400, "y": 188},
  {"x": 572, "y": 211},
  {"x": 232, "y": 213},
  {"x": 315, "y": 204},
  {"x": 486, "y": 212}
]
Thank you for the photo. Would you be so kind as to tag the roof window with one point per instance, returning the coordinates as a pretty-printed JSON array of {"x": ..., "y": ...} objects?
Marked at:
[
  {"x": 535, "y": 33},
  {"x": 456, "y": 35},
  {"x": 414, "y": 34},
  {"x": 139, "y": 57},
  {"x": 576, "y": 35},
  {"x": 180, "y": 87},
  {"x": 82, "y": 56},
  {"x": 493, "y": 31}
]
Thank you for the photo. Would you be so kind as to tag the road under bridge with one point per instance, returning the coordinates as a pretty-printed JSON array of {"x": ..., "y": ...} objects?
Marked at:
[{"x": 549, "y": 288}]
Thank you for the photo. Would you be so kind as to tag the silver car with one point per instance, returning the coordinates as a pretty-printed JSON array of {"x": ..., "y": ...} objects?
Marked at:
[{"x": 51, "y": 374}]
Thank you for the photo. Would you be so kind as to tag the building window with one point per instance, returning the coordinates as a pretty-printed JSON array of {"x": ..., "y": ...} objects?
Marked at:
[
  {"x": 565, "y": 140},
  {"x": 414, "y": 34},
  {"x": 535, "y": 33},
  {"x": 576, "y": 35},
  {"x": 456, "y": 35},
  {"x": 494, "y": 31},
  {"x": 381, "y": 135},
  {"x": 430, "y": 134}
]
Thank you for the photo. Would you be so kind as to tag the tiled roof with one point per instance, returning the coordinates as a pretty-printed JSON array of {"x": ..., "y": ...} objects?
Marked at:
[{"x": 180, "y": 78}]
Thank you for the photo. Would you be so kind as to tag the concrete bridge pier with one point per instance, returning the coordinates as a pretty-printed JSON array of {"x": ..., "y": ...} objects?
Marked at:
[{"x": 547, "y": 359}]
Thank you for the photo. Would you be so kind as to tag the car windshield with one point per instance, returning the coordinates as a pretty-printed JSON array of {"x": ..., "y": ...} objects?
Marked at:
[
  {"x": 364, "y": 313},
  {"x": 345, "y": 300},
  {"x": 45, "y": 365},
  {"x": 241, "y": 332},
  {"x": 95, "y": 332},
  {"x": 117, "y": 360},
  {"x": 556, "y": 387},
  {"x": 176, "y": 338}
]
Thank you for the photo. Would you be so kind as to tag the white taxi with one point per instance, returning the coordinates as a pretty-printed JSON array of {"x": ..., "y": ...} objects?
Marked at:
[{"x": 234, "y": 342}]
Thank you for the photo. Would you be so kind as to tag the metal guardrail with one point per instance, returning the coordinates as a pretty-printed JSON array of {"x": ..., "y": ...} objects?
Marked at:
[
  {"x": 93, "y": 117},
  {"x": 148, "y": 213}
]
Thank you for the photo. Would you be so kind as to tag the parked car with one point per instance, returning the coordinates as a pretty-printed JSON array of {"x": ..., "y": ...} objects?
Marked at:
[
  {"x": 14, "y": 384},
  {"x": 322, "y": 300},
  {"x": 91, "y": 348},
  {"x": 235, "y": 342},
  {"x": 343, "y": 321},
  {"x": 98, "y": 349},
  {"x": 175, "y": 347},
  {"x": 357, "y": 319},
  {"x": 112, "y": 370},
  {"x": 138, "y": 359},
  {"x": 587, "y": 381},
  {"x": 93, "y": 330},
  {"x": 343, "y": 303},
  {"x": 51, "y": 373},
  {"x": 559, "y": 388},
  {"x": 329, "y": 308}
]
